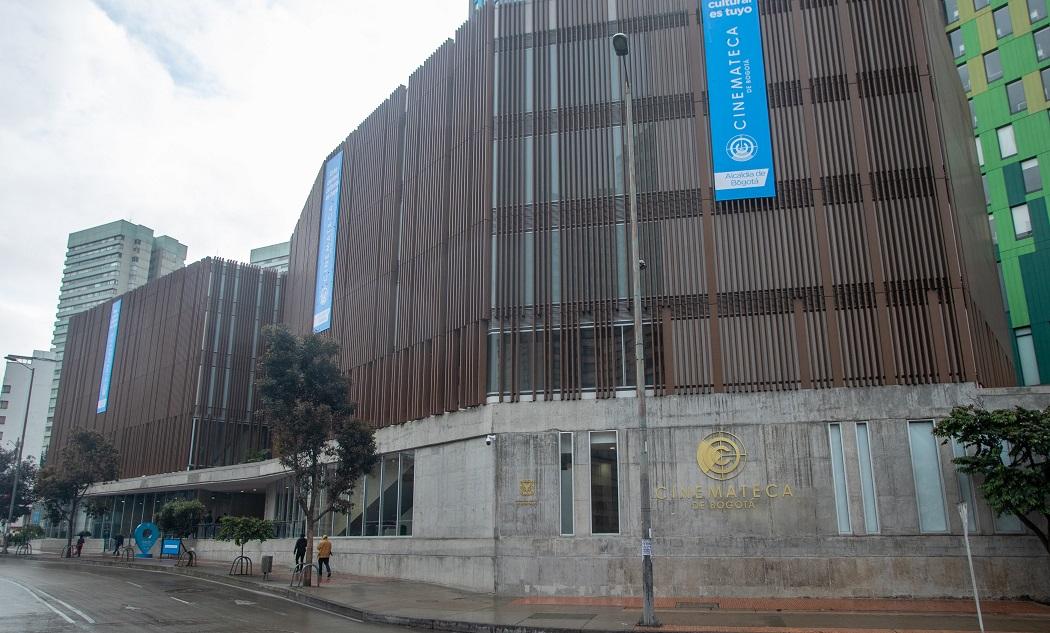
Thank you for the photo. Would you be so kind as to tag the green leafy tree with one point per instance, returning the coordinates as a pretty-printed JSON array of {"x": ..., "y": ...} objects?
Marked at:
[
  {"x": 303, "y": 399},
  {"x": 180, "y": 517},
  {"x": 26, "y": 534},
  {"x": 1010, "y": 450},
  {"x": 88, "y": 459},
  {"x": 27, "y": 473},
  {"x": 243, "y": 530}
]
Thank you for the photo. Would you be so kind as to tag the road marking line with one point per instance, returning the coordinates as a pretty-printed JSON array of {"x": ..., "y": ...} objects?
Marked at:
[
  {"x": 68, "y": 606},
  {"x": 135, "y": 584},
  {"x": 40, "y": 600},
  {"x": 179, "y": 600}
]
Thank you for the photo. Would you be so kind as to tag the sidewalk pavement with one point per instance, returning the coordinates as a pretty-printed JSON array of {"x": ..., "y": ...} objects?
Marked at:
[{"x": 434, "y": 607}]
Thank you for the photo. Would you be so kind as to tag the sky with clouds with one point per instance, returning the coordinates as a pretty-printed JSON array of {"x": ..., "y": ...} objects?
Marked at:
[{"x": 205, "y": 120}]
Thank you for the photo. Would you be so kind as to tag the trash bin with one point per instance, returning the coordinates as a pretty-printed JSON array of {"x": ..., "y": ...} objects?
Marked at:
[{"x": 267, "y": 566}]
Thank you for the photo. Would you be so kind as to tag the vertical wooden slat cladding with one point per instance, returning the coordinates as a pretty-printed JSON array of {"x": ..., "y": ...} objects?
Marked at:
[
  {"x": 483, "y": 246},
  {"x": 186, "y": 350}
]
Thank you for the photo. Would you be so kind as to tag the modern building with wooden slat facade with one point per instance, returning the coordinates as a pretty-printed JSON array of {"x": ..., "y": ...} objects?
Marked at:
[{"x": 798, "y": 347}]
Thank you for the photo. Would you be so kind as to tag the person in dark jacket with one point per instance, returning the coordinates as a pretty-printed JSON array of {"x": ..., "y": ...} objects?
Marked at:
[
  {"x": 80, "y": 545},
  {"x": 300, "y": 549},
  {"x": 118, "y": 542}
]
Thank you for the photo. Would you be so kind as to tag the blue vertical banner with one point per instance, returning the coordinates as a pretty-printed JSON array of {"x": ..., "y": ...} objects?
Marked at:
[
  {"x": 333, "y": 179},
  {"x": 107, "y": 363},
  {"x": 739, "y": 110}
]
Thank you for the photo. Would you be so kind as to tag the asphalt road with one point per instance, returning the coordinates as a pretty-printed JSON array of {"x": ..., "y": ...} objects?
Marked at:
[{"x": 39, "y": 597}]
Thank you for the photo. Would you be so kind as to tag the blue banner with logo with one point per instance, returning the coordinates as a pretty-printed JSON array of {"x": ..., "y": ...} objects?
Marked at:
[
  {"x": 333, "y": 178},
  {"x": 107, "y": 363},
  {"x": 738, "y": 107}
]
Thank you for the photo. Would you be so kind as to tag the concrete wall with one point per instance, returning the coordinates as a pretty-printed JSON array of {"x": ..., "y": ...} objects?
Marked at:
[{"x": 487, "y": 518}]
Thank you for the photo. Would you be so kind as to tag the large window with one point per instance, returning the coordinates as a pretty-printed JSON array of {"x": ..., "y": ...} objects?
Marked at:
[
  {"x": 867, "y": 479},
  {"x": 605, "y": 484},
  {"x": 973, "y": 113},
  {"x": 956, "y": 39},
  {"x": 1044, "y": 75},
  {"x": 980, "y": 151},
  {"x": 1042, "y": 43},
  {"x": 838, "y": 479},
  {"x": 993, "y": 66},
  {"x": 1022, "y": 221},
  {"x": 926, "y": 471},
  {"x": 979, "y": 4},
  {"x": 1007, "y": 142},
  {"x": 565, "y": 447},
  {"x": 951, "y": 10},
  {"x": 1003, "y": 25},
  {"x": 382, "y": 500},
  {"x": 1033, "y": 180},
  {"x": 1026, "y": 356},
  {"x": 1015, "y": 96},
  {"x": 1036, "y": 10},
  {"x": 964, "y": 76}
]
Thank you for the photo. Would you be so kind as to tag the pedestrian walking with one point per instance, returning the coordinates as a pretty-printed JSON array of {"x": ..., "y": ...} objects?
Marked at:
[
  {"x": 300, "y": 550},
  {"x": 80, "y": 545},
  {"x": 324, "y": 552},
  {"x": 118, "y": 542}
]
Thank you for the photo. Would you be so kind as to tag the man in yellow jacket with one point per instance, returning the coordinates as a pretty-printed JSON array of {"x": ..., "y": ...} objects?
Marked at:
[{"x": 324, "y": 552}]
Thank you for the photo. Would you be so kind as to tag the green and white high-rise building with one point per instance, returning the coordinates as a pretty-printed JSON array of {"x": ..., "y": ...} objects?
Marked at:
[{"x": 1002, "y": 48}]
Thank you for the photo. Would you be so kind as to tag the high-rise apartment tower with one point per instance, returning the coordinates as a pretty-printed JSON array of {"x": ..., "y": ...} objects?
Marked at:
[{"x": 101, "y": 263}]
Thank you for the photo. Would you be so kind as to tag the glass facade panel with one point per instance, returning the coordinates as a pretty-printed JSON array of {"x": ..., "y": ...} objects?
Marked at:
[
  {"x": 1033, "y": 180},
  {"x": 1036, "y": 10},
  {"x": 956, "y": 39},
  {"x": 838, "y": 476},
  {"x": 356, "y": 518},
  {"x": 926, "y": 471},
  {"x": 1015, "y": 97},
  {"x": 1042, "y": 43},
  {"x": 371, "y": 509},
  {"x": 867, "y": 479},
  {"x": 979, "y": 4},
  {"x": 1007, "y": 142},
  {"x": 1003, "y": 25},
  {"x": 964, "y": 76},
  {"x": 993, "y": 66},
  {"x": 965, "y": 489},
  {"x": 980, "y": 151},
  {"x": 1044, "y": 75},
  {"x": 408, "y": 484},
  {"x": 973, "y": 113},
  {"x": 951, "y": 10},
  {"x": 567, "y": 523},
  {"x": 389, "y": 502},
  {"x": 605, "y": 486},
  {"x": 1022, "y": 221},
  {"x": 1026, "y": 356}
]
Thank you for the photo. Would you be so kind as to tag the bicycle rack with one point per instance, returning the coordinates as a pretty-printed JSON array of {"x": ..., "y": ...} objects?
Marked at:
[{"x": 243, "y": 565}]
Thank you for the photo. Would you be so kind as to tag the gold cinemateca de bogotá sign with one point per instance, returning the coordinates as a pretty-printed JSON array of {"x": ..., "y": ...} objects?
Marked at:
[{"x": 721, "y": 456}]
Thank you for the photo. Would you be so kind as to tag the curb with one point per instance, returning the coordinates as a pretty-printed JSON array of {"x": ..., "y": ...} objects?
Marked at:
[{"x": 300, "y": 597}]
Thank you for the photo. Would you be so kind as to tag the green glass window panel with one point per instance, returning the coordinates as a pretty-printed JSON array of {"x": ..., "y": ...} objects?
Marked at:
[{"x": 1014, "y": 181}]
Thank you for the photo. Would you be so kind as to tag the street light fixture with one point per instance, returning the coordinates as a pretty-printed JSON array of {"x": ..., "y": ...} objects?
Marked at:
[
  {"x": 21, "y": 360},
  {"x": 620, "y": 46}
]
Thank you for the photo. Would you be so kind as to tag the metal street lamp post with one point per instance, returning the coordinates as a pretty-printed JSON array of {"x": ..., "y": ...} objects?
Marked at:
[
  {"x": 21, "y": 441},
  {"x": 619, "y": 42}
]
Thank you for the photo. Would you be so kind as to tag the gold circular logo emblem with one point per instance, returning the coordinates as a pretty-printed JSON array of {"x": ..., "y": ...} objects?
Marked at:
[{"x": 720, "y": 455}]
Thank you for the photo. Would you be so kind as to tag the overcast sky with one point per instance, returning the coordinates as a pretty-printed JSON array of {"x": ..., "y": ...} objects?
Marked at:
[{"x": 205, "y": 120}]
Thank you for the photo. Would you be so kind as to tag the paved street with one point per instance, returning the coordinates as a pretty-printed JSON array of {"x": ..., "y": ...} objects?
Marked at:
[{"x": 43, "y": 598}]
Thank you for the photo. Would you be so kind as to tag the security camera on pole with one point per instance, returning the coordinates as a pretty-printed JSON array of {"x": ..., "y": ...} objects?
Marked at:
[{"x": 620, "y": 45}]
